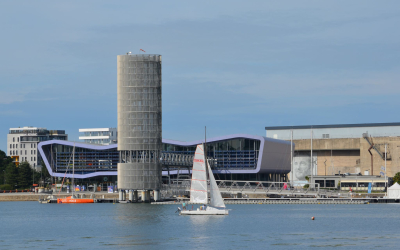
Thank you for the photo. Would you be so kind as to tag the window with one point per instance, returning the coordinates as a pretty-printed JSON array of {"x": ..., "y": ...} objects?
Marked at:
[
  {"x": 25, "y": 152},
  {"x": 10, "y": 152},
  {"x": 31, "y": 158},
  {"x": 24, "y": 145},
  {"x": 34, "y": 158},
  {"x": 13, "y": 139},
  {"x": 31, "y": 151},
  {"x": 330, "y": 183},
  {"x": 320, "y": 182},
  {"x": 21, "y": 152},
  {"x": 16, "y": 145},
  {"x": 325, "y": 136},
  {"x": 18, "y": 139}
]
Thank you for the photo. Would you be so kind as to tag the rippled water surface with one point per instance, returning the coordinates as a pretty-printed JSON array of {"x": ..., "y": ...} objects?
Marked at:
[{"x": 144, "y": 226}]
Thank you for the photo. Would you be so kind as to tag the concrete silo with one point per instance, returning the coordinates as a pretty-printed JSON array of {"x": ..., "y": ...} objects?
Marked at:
[{"x": 139, "y": 123}]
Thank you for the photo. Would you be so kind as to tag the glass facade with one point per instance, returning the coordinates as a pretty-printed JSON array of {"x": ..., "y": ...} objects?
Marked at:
[
  {"x": 238, "y": 153},
  {"x": 86, "y": 160},
  {"x": 234, "y": 154}
]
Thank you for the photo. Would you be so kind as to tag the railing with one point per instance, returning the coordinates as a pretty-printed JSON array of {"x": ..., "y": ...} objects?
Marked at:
[{"x": 251, "y": 187}]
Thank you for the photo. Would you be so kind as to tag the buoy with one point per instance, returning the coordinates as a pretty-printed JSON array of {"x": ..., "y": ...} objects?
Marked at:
[{"x": 312, "y": 218}]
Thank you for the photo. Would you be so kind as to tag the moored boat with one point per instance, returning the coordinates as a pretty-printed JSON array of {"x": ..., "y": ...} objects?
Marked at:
[{"x": 70, "y": 199}]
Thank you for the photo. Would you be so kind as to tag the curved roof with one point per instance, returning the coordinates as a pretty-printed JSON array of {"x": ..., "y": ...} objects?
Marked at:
[{"x": 276, "y": 151}]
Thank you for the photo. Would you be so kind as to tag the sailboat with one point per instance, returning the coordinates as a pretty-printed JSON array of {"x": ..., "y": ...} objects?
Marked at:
[
  {"x": 198, "y": 189},
  {"x": 72, "y": 198}
]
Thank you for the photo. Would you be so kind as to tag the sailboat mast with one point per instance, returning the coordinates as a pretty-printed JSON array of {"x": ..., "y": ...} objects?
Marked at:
[
  {"x": 205, "y": 157},
  {"x": 312, "y": 162},
  {"x": 386, "y": 184},
  {"x": 205, "y": 146},
  {"x": 73, "y": 170},
  {"x": 291, "y": 158}
]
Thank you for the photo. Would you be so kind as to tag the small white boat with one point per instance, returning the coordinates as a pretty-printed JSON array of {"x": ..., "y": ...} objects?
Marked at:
[{"x": 198, "y": 188}]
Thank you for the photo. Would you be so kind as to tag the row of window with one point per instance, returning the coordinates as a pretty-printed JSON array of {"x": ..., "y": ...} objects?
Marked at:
[
  {"x": 33, "y": 145},
  {"x": 99, "y": 133},
  {"x": 15, "y": 152},
  {"x": 97, "y": 141},
  {"x": 26, "y": 159}
]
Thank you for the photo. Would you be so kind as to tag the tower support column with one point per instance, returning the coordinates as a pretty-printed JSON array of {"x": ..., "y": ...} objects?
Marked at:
[
  {"x": 157, "y": 195},
  {"x": 120, "y": 195},
  {"x": 131, "y": 195},
  {"x": 148, "y": 197}
]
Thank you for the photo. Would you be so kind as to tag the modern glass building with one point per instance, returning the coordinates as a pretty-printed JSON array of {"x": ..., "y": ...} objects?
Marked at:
[{"x": 233, "y": 157}]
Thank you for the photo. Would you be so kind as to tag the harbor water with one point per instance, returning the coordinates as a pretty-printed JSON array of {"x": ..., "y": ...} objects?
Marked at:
[{"x": 145, "y": 226}]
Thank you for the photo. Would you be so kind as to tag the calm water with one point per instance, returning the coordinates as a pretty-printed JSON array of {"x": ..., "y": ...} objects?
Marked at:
[{"x": 145, "y": 226}]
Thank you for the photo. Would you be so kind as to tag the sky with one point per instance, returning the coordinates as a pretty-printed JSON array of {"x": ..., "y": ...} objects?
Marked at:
[{"x": 233, "y": 66}]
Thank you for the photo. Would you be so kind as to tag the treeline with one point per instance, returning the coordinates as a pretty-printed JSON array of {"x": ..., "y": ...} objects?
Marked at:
[{"x": 21, "y": 177}]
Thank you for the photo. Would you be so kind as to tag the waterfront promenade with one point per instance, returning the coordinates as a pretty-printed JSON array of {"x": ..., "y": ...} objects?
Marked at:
[{"x": 26, "y": 196}]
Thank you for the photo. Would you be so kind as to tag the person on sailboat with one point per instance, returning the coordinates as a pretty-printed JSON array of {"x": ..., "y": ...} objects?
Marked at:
[{"x": 184, "y": 206}]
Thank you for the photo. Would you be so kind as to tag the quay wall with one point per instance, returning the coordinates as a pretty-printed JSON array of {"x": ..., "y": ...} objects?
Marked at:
[{"x": 36, "y": 197}]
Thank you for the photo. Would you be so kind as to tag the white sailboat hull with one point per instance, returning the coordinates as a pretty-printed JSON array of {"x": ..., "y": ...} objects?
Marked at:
[{"x": 205, "y": 212}]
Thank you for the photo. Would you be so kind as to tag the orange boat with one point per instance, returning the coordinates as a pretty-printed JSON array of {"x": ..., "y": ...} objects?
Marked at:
[
  {"x": 75, "y": 200},
  {"x": 72, "y": 199}
]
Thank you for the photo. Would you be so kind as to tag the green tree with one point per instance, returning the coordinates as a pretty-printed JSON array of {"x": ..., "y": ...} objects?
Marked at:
[
  {"x": 4, "y": 161},
  {"x": 25, "y": 173},
  {"x": 396, "y": 178},
  {"x": 11, "y": 175}
]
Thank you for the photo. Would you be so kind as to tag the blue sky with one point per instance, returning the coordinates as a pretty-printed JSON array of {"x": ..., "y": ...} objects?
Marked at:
[{"x": 234, "y": 66}]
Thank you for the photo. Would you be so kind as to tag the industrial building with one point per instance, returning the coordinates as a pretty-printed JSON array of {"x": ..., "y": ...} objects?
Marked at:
[
  {"x": 22, "y": 143},
  {"x": 343, "y": 148}
]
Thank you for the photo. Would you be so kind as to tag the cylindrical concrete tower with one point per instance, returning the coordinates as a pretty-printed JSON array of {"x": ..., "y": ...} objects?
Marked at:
[{"x": 139, "y": 122}]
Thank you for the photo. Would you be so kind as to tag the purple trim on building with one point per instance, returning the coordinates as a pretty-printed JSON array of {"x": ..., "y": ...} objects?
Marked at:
[
  {"x": 259, "y": 169},
  {"x": 77, "y": 144}
]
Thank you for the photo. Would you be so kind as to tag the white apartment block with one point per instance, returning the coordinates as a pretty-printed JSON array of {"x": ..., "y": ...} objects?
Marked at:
[
  {"x": 103, "y": 136},
  {"x": 22, "y": 143}
]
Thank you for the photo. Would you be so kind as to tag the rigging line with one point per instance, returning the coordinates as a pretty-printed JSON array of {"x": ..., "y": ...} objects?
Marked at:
[{"x": 62, "y": 183}]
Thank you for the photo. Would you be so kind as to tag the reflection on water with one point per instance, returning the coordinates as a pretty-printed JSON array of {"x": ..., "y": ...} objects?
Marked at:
[
  {"x": 145, "y": 226},
  {"x": 205, "y": 220}
]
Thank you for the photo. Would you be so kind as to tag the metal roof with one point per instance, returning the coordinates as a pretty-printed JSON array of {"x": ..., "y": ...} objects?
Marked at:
[{"x": 360, "y": 125}]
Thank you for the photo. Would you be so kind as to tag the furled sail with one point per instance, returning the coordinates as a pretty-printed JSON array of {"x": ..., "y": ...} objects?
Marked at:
[
  {"x": 215, "y": 195},
  {"x": 198, "y": 189}
]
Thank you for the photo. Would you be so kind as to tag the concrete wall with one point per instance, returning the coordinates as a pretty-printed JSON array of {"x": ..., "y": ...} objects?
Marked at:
[
  {"x": 351, "y": 131},
  {"x": 139, "y": 121},
  {"x": 350, "y": 155},
  {"x": 393, "y": 147}
]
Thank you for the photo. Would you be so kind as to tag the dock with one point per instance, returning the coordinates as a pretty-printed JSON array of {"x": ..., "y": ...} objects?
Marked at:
[{"x": 272, "y": 201}]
